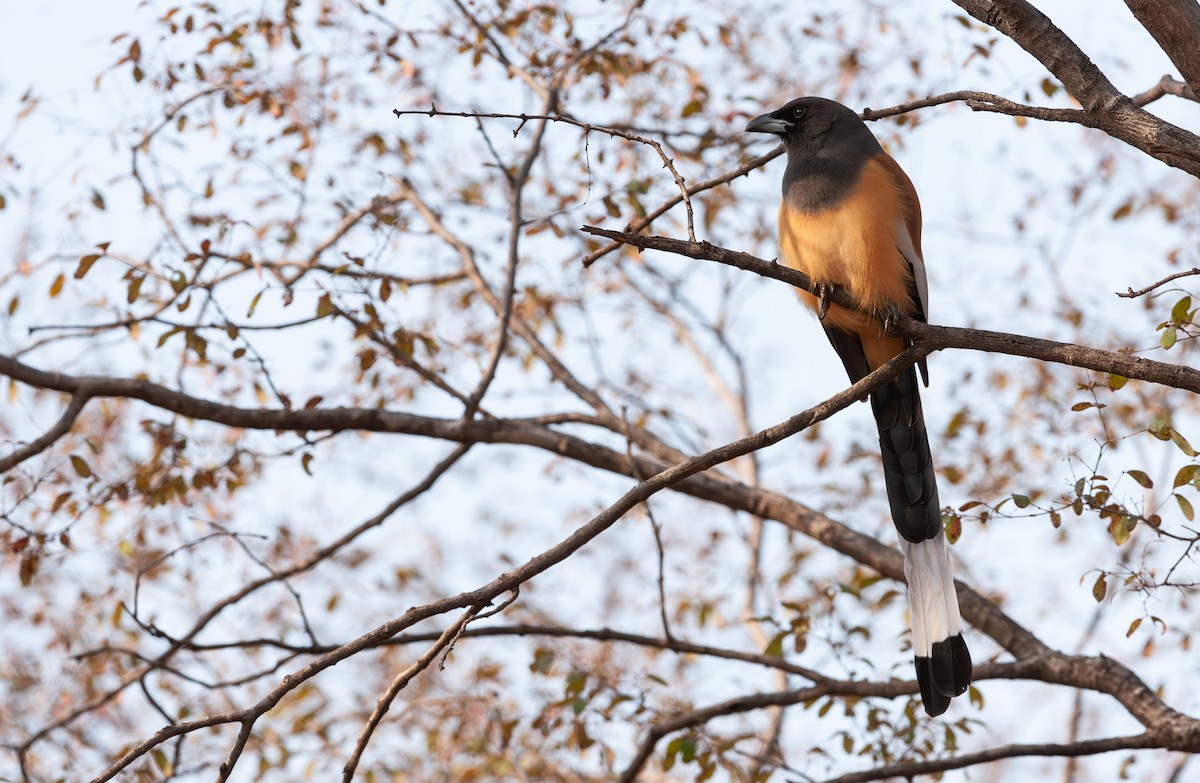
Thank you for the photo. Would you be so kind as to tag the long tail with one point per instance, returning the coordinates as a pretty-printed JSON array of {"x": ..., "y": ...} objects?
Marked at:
[{"x": 943, "y": 662}]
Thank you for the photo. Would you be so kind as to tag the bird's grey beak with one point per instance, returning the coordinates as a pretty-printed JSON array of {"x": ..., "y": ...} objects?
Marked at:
[{"x": 767, "y": 123}]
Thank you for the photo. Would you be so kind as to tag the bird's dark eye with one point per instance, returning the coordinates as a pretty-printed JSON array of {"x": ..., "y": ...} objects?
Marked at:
[{"x": 798, "y": 112}]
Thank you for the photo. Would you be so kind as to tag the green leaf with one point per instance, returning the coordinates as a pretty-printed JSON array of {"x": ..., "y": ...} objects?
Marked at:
[
  {"x": 1100, "y": 589},
  {"x": 1117, "y": 381},
  {"x": 775, "y": 648},
  {"x": 254, "y": 303},
  {"x": 161, "y": 761},
  {"x": 324, "y": 306},
  {"x": 543, "y": 661},
  {"x": 1179, "y": 313},
  {"x": 1133, "y": 627},
  {"x": 952, "y": 523},
  {"x": 1169, "y": 336},
  {"x": 1141, "y": 478},
  {"x": 672, "y": 753},
  {"x": 1022, "y": 501},
  {"x": 689, "y": 749},
  {"x": 1120, "y": 529},
  {"x": 1185, "y": 475},
  {"x": 1185, "y": 506},
  {"x": 1182, "y": 443}
]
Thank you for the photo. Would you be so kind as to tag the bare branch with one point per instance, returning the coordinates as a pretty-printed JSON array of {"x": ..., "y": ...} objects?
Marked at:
[
  {"x": 606, "y": 416},
  {"x": 515, "y": 225},
  {"x": 982, "y": 101},
  {"x": 508, "y": 581},
  {"x": 934, "y": 338},
  {"x": 1085, "y": 748},
  {"x": 730, "y": 707},
  {"x": 666, "y": 206},
  {"x": 207, "y": 617},
  {"x": 587, "y": 127},
  {"x": 1175, "y": 25},
  {"x": 61, "y": 427},
  {"x": 1167, "y": 85},
  {"x": 398, "y": 684},
  {"x": 1106, "y": 108},
  {"x": 1131, "y": 294}
]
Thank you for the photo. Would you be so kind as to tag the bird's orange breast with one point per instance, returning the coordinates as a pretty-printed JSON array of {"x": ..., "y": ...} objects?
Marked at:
[{"x": 853, "y": 245}]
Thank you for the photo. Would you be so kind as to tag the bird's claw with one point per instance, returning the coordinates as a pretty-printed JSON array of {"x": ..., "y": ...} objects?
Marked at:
[
  {"x": 889, "y": 321},
  {"x": 822, "y": 291}
]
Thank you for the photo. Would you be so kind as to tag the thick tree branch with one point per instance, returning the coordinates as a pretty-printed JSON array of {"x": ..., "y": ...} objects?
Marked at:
[
  {"x": 207, "y": 617},
  {"x": 483, "y": 596},
  {"x": 1099, "y": 674},
  {"x": 934, "y": 338},
  {"x": 1175, "y": 25},
  {"x": 1105, "y": 106}
]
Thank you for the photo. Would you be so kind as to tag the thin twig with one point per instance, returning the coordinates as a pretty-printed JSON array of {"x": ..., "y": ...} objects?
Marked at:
[
  {"x": 1131, "y": 294},
  {"x": 697, "y": 717},
  {"x": 398, "y": 684},
  {"x": 911, "y": 769},
  {"x": 657, "y": 529},
  {"x": 587, "y": 127},
  {"x": 928, "y": 336},
  {"x": 515, "y": 224},
  {"x": 1167, "y": 85},
  {"x": 61, "y": 427}
]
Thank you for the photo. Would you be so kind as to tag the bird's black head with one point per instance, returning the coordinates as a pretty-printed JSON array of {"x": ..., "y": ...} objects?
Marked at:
[
  {"x": 815, "y": 123},
  {"x": 827, "y": 147}
]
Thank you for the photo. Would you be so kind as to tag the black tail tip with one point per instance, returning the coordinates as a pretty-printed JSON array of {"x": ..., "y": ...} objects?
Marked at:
[{"x": 944, "y": 674}]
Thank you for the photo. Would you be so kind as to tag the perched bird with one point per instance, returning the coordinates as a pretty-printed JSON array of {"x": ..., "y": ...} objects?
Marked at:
[{"x": 850, "y": 218}]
